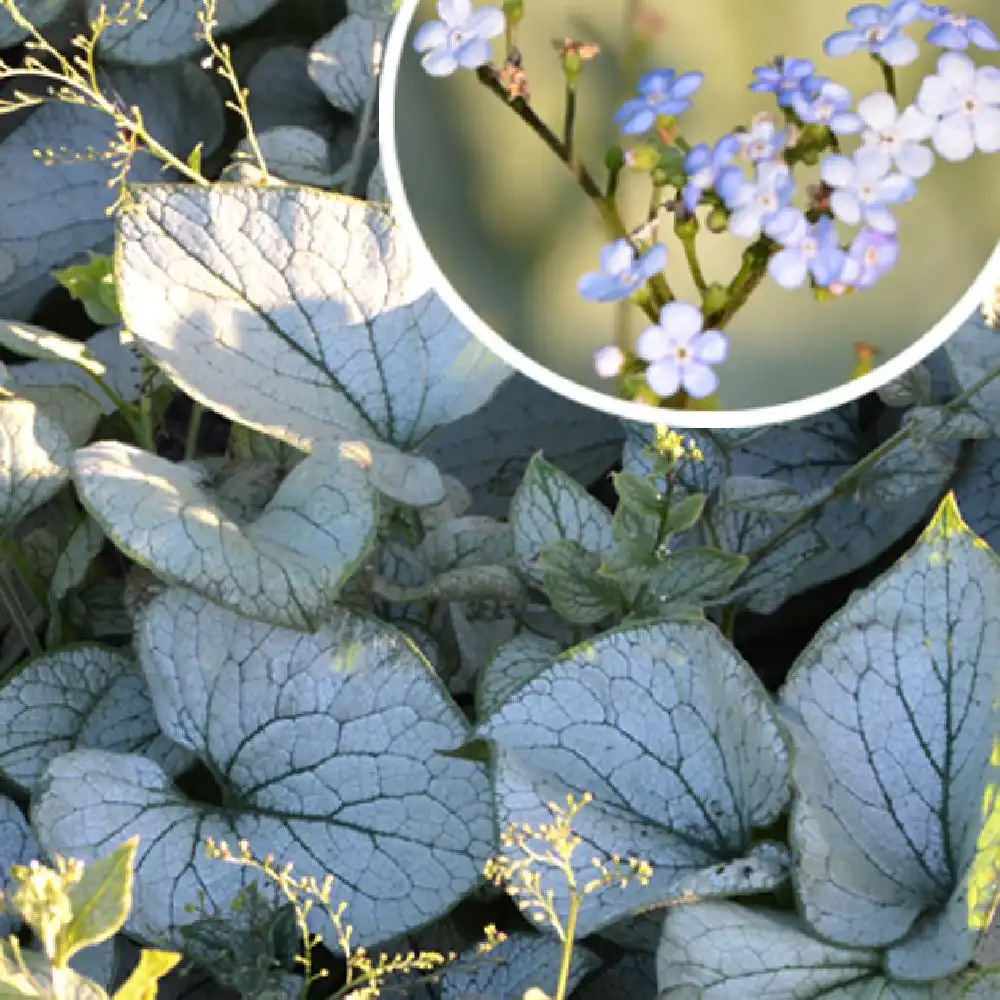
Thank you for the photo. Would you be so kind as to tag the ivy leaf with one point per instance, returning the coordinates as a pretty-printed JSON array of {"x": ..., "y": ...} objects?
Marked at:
[
  {"x": 616, "y": 717},
  {"x": 333, "y": 336},
  {"x": 346, "y": 722},
  {"x": 891, "y": 764},
  {"x": 287, "y": 566}
]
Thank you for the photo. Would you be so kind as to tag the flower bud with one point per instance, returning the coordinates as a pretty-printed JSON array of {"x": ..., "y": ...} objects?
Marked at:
[
  {"x": 609, "y": 361},
  {"x": 513, "y": 10}
]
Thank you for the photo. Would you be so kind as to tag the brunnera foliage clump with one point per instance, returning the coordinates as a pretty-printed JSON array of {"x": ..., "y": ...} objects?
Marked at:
[{"x": 291, "y": 560}]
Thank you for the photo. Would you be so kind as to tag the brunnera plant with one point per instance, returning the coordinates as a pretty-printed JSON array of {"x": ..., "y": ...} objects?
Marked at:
[
  {"x": 373, "y": 677},
  {"x": 749, "y": 182}
]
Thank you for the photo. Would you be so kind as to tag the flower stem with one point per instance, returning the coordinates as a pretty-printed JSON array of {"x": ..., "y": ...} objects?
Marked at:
[
  {"x": 888, "y": 74},
  {"x": 609, "y": 216},
  {"x": 687, "y": 234},
  {"x": 570, "y": 118},
  {"x": 847, "y": 482},
  {"x": 567, "y": 950}
]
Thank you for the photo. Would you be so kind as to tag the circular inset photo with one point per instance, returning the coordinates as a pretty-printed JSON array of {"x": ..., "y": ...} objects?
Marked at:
[{"x": 692, "y": 212}]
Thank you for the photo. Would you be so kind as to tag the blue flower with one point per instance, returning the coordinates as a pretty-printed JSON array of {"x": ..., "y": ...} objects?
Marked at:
[
  {"x": 786, "y": 78},
  {"x": 459, "y": 39},
  {"x": 705, "y": 166},
  {"x": 898, "y": 135},
  {"x": 878, "y": 30},
  {"x": 679, "y": 352},
  {"x": 963, "y": 104},
  {"x": 621, "y": 274},
  {"x": 763, "y": 141},
  {"x": 828, "y": 106},
  {"x": 863, "y": 188},
  {"x": 870, "y": 256},
  {"x": 754, "y": 203},
  {"x": 958, "y": 31},
  {"x": 661, "y": 92},
  {"x": 809, "y": 250}
]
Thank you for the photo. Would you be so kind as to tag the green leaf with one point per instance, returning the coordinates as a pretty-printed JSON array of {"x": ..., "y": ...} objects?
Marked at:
[
  {"x": 892, "y": 713},
  {"x": 347, "y": 723},
  {"x": 353, "y": 334},
  {"x": 194, "y": 158},
  {"x": 548, "y": 507},
  {"x": 94, "y": 696},
  {"x": 142, "y": 981},
  {"x": 35, "y": 466},
  {"x": 515, "y": 965},
  {"x": 100, "y": 901},
  {"x": 692, "y": 577},
  {"x": 286, "y": 566},
  {"x": 575, "y": 587},
  {"x": 93, "y": 284},
  {"x": 662, "y": 706},
  {"x": 513, "y": 664},
  {"x": 685, "y": 515}
]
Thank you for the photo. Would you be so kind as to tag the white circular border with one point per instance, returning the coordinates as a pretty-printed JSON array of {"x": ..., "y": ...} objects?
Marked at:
[{"x": 978, "y": 292}]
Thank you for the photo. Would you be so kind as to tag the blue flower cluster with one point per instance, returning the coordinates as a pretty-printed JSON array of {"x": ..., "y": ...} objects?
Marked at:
[
  {"x": 749, "y": 174},
  {"x": 746, "y": 178}
]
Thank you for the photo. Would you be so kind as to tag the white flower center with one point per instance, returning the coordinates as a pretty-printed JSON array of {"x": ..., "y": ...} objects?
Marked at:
[
  {"x": 866, "y": 192},
  {"x": 683, "y": 354},
  {"x": 970, "y": 105},
  {"x": 959, "y": 20},
  {"x": 809, "y": 248},
  {"x": 871, "y": 257},
  {"x": 458, "y": 37},
  {"x": 877, "y": 35},
  {"x": 768, "y": 202}
]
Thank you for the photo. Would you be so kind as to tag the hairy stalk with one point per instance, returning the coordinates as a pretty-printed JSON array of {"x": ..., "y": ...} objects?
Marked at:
[
  {"x": 223, "y": 60},
  {"x": 569, "y": 118},
  {"x": 845, "y": 485},
  {"x": 74, "y": 81}
]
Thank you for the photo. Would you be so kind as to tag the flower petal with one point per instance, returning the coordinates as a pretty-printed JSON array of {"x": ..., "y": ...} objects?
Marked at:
[
  {"x": 653, "y": 261},
  {"x": 454, "y": 13},
  {"x": 711, "y": 347},
  {"x": 653, "y": 344},
  {"x": 431, "y": 35},
  {"x": 914, "y": 160},
  {"x": 986, "y": 128},
  {"x": 899, "y": 50},
  {"x": 473, "y": 54},
  {"x": 843, "y": 43},
  {"x": 439, "y": 62},
  {"x": 879, "y": 111},
  {"x": 838, "y": 171},
  {"x": 914, "y": 125},
  {"x": 687, "y": 84},
  {"x": 682, "y": 320},
  {"x": 988, "y": 84},
  {"x": 953, "y": 138},
  {"x": 699, "y": 380},
  {"x": 787, "y": 268},
  {"x": 845, "y": 206},
  {"x": 663, "y": 377},
  {"x": 958, "y": 69},
  {"x": 487, "y": 22},
  {"x": 617, "y": 258}
]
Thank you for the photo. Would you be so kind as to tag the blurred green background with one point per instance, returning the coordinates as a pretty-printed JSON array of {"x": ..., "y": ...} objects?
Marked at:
[{"x": 512, "y": 232}]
